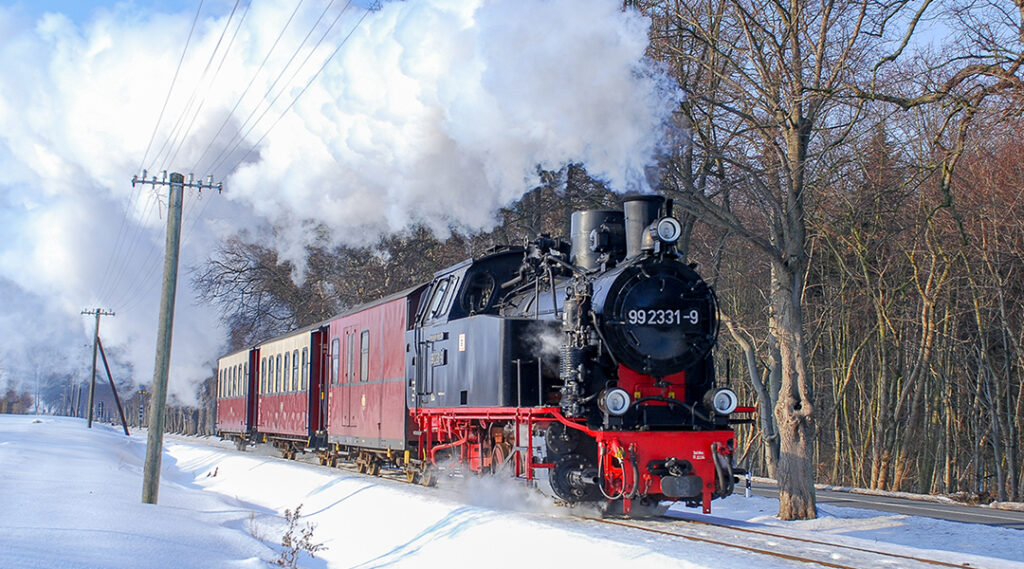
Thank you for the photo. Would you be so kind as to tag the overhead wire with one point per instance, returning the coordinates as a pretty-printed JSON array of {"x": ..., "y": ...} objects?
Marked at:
[
  {"x": 194, "y": 210},
  {"x": 227, "y": 119},
  {"x": 119, "y": 240},
  {"x": 238, "y": 138},
  {"x": 191, "y": 211},
  {"x": 304, "y": 88},
  {"x": 177, "y": 133},
  {"x": 150, "y": 263},
  {"x": 308, "y": 84}
]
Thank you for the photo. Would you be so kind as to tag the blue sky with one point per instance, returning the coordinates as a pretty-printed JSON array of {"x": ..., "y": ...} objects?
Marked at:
[{"x": 80, "y": 10}]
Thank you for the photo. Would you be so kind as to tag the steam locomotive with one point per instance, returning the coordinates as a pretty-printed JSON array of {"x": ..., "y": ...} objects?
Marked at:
[{"x": 582, "y": 367}]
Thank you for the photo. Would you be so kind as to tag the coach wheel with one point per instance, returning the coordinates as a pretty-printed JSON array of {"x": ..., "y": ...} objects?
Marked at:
[
  {"x": 412, "y": 475},
  {"x": 428, "y": 477},
  {"x": 333, "y": 461},
  {"x": 373, "y": 469},
  {"x": 240, "y": 443}
]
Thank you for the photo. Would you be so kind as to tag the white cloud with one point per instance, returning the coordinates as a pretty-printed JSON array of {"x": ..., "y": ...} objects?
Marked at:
[{"x": 434, "y": 111}]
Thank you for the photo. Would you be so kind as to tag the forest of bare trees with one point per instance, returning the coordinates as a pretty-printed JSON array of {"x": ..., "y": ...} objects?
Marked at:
[{"x": 854, "y": 180}]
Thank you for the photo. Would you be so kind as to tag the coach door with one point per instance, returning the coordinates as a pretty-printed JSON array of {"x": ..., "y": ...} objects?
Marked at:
[
  {"x": 314, "y": 364},
  {"x": 349, "y": 374},
  {"x": 252, "y": 396}
]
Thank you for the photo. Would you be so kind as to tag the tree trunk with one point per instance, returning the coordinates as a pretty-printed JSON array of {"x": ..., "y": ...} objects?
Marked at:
[{"x": 795, "y": 408}]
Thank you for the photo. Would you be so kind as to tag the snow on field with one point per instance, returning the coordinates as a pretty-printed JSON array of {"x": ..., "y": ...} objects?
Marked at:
[{"x": 71, "y": 497}]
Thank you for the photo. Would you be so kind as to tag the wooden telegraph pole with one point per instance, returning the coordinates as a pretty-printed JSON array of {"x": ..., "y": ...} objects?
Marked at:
[
  {"x": 155, "y": 442},
  {"x": 95, "y": 338}
]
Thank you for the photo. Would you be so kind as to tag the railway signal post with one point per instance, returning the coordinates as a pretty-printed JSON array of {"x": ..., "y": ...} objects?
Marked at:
[
  {"x": 92, "y": 385},
  {"x": 154, "y": 444}
]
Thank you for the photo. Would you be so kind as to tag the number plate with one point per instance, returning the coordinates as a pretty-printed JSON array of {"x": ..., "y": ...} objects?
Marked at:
[{"x": 662, "y": 317}]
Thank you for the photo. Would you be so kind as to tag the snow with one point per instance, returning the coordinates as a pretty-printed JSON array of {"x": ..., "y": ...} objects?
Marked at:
[{"x": 71, "y": 497}]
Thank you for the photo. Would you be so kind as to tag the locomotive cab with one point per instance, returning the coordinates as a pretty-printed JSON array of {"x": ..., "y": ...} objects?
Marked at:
[{"x": 463, "y": 354}]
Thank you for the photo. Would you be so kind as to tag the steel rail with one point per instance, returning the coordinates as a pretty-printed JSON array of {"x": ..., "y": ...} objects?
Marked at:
[{"x": 823, "y": 562}]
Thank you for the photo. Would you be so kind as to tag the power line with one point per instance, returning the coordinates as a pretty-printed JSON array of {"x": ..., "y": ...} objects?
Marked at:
[
  {"x": 308, "y": 83},
  {"x": 292, "y": 104},
  {"x": 252, "y": 80},
  {"x": 225, "y": 153},
  {"x": 173, "y": 137},
  {"x": 118, "y": 241},
  {"x": 176, "y": 131},
  {"x": 170, "y": 89}
]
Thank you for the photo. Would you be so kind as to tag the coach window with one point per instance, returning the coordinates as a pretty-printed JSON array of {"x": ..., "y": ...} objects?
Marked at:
[
  {"x": 278, "y": 374},
  {"x": 245, "y": 378},
  {"x": 270, "y": 375},
  {"x": 305, "y": 369},
  {"x": 287, "y": 372},
  {"x": 295, "y": 371},
  {"x": 364, "y": 355},
  {"x": 263, "y": 375},
  {"x": 231, "y": 388},
  {"x": 335, "y": 371}
]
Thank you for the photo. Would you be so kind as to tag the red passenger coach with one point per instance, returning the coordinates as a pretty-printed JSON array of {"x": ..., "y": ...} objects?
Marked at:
[
  {"x": 235, "y": 401},
  {"x": 366, "y": 380},
  {"x": 285, "y": 402}
]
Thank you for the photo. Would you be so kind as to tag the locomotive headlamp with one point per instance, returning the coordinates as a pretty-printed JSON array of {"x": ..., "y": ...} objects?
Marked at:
[
  {"x": 669, "y": 229},
  {"x": 723, "y": 401},
  {"x": 615, "y": 401}
]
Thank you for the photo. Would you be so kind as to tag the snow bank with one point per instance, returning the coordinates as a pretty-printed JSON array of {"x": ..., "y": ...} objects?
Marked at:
[{"x": 71, "y": 498}]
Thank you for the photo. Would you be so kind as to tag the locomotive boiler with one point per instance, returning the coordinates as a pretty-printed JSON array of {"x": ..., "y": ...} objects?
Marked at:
[{"x": 582, "y": 366}]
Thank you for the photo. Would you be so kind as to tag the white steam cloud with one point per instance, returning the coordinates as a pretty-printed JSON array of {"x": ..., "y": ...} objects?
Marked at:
[{"x": 432, "y": 111}]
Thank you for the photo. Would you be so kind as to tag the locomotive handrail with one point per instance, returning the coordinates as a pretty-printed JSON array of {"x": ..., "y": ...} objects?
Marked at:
[{"x": 671, "y": 401}]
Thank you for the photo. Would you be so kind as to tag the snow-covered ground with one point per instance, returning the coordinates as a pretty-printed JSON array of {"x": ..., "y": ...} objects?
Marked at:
[{"x": 71, "y": 497}]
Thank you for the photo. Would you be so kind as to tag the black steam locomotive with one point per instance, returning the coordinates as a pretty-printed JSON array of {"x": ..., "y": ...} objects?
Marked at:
[
  {"x": 584, "y": 367},
  {"x": 597, "y": 367}
]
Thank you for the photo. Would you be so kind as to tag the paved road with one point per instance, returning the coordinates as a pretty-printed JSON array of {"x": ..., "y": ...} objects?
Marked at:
[{"x": 952, "y": 512}]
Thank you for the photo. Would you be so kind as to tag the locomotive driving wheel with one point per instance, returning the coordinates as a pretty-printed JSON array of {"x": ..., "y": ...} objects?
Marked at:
[{"x": 573, "y": 479}]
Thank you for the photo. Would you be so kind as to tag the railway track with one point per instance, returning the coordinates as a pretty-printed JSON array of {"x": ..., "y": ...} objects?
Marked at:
[
  {"x": 780, "y": 546},
  {"x": 796, "y": 549}
]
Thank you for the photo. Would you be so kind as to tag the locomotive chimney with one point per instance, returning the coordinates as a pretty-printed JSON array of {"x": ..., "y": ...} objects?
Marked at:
[
  {"x": 640, "y": 211},
  {"x": 596, "y": 233}
]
